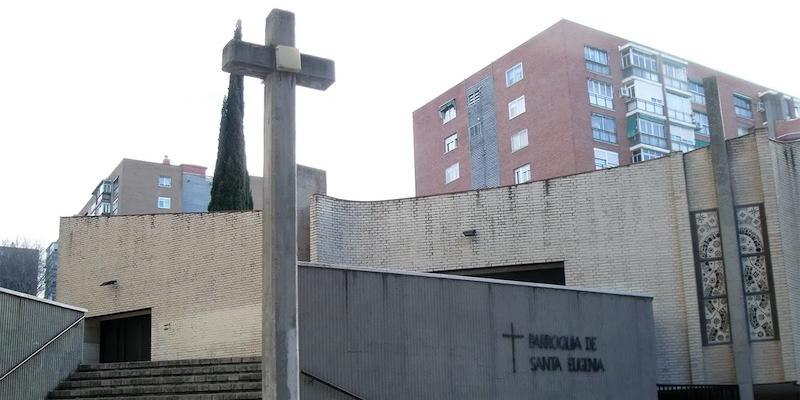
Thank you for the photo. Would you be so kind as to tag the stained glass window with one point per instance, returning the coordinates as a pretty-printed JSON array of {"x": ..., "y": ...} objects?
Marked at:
[
  {"x": 710, "y": 268},
  {"x": 755, "y": 272}
]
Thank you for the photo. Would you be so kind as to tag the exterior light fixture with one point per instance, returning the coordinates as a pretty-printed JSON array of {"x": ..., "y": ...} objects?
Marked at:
[
  {"x": 470, "y": 233},
  {"x": 106, "y": 283}
]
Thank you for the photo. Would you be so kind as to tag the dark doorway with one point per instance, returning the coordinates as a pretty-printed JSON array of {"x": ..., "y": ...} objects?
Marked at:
[
  {"x": 125, "y": 339},
  {"x": 550, "y": 273}
]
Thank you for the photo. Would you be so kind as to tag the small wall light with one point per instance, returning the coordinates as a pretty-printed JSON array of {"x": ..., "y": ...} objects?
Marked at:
[
  {"x": 106, "y": 283},
  {"x": 470, "y": 232}
]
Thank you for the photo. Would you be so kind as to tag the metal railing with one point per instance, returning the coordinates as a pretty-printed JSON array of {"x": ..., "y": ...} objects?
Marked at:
[
  {"x": 39, "y": 350},
  {"x": 680, "y": 116},
  {"x": 676, "y": 83},
  {"x": 330, "y": 385},
  {"x": 645, "y": 105},
  {"x": 643, "y": 138}
]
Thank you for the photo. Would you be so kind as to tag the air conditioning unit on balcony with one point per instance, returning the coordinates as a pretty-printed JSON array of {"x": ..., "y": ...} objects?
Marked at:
[{"x": 625, "y": 91}]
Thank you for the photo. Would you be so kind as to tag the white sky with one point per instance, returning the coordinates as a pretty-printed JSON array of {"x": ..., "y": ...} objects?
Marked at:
[{"x": 85, "y": 83}]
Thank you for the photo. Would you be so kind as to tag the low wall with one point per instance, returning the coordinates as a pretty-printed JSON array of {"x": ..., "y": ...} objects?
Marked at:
[
  {"x": 398, "y": 335},
  {"x": 26, "y": 324}
]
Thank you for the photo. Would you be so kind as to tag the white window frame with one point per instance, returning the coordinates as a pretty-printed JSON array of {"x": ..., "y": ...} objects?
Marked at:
[
  {"x": 520, "y": 139},
  {"x": 523, "y": 174},
  {"x": 603, "y": 156},
  {"x": 514, "y": 75},
  {"x": 599, "y": 99},
  {"x": 451, "y": 140},
  {"x": 165, "y": 181},
  {"x": 164, "y": 203},
  {"x": 451, "y": 173},
  {"x": 514, "y": 105}
]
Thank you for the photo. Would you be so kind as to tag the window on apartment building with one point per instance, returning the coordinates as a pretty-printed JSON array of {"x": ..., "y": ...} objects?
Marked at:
[
  {"x": 601, "y": 94},
  {"x": 596, "y": 60},
  {"x": 451, "y": 173},
  {"x": 642, "y": 154},
  {"x": 604, "y": 128},
  {"x": 164, "y": 181},
  {"x": 742, "y": 106},
  {"x": 797, "y": 108},
  {"x": 115, "y": 187},
  {"x": 605, "y": 159},
  {"x": 115, "y": 207},
  {"x": 514, "y": 75},
  {"x": 519, "y": 140},
  {"x": 164, "y": 203},
  {"x": 641, "y": 64},
  {"x": 701, "y": 122},
  {"x": 522, "y": 174},
  {"x": 474, "y": 97},
  {"x": 516, "y": 107},
  {"x": 742, "y": 130},
  {"x": 450, "y": 143},
  {"x": 682, "y": 138},
  {"x": 447, "y": 112},
  {"x": 698, "y": 92},
  {"x": 675, "y": 75}
]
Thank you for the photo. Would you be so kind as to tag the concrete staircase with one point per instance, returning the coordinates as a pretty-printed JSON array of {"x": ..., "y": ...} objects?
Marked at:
[{"x": 202, "y": 379}]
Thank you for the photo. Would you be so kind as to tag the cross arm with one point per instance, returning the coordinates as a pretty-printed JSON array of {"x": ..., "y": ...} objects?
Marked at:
[{"x": 243, "y": 58}]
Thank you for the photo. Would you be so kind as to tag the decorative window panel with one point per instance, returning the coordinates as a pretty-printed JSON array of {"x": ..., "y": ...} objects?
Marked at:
[
  {"x": 710, "y": 270},
  {"x": 756, "y": 274}
]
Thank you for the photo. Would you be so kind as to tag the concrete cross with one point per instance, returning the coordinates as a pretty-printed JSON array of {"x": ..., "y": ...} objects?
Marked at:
[{"x": 282, "y": 67}]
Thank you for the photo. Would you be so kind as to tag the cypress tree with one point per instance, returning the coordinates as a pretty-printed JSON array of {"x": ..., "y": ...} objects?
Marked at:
[{"x": 230, "y": 189}]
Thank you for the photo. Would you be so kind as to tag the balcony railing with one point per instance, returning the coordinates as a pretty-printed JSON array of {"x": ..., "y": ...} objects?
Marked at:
[
  {"x": 676, "y": 115},
  {"x": 645, "y": 105},
  {"x": 640, "y": 72},
  {"x": 676, "y": 83},
  {"x": 643, "y": 138}
]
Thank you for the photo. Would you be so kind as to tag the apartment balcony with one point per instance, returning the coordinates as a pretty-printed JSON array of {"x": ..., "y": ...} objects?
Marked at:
[
  {"x": 675, "y": 115},
  {"x": 643, "y": 138},
  {"x": 645, "y": 105},
  {"x": 633, "y": 70},
  {"x": 676, "y": 84}
]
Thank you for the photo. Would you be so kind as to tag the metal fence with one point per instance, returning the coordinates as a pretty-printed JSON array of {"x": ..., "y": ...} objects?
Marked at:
[
  {"x": 40, "y": 344},
  {"x": 698, "y": 392}
]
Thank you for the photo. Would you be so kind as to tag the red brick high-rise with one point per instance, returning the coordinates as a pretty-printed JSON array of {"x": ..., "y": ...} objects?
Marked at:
[{"x": 569, "y": 100}]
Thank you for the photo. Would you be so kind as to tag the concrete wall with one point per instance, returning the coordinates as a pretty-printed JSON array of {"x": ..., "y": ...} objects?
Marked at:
[
  {"x": 26, "y": 324},
  {"x": 573, "y": 219},
  {"x": 388, "y": 335},
  {"x": 626, "y": 229}
]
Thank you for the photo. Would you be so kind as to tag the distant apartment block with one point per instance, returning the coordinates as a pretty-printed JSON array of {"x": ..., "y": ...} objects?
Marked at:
[
  {"x": 50, "y": 271},
  {"x": 569, "y": 100}
]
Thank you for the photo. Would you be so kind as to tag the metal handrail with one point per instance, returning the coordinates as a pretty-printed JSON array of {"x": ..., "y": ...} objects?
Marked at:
[
  {"x": 332, "y": 386},
  {"x": 39, "y": 350}
]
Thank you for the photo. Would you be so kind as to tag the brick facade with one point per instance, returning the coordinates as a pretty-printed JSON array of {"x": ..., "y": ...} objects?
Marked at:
[
  {"x": 558, "y": 113},
  {"x": 625, "y": 228}
]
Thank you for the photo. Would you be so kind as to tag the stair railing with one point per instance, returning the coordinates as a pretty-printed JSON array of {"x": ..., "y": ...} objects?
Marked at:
[
  {"x": 332, "y": 386},
  {"x": 42, "y": 347}
]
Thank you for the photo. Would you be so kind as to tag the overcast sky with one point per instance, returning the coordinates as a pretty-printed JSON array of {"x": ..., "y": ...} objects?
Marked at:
[{"x": 85, "y": 83}]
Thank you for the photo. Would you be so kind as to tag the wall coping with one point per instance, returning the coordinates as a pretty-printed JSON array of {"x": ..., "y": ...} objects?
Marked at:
[
  {"x": 41, "y": 300},
  {"x": 433, "y": 275}
]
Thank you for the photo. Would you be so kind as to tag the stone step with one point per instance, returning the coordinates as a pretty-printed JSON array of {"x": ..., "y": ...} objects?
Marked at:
[
  {"x": 208, "y": 369},
  {"x": 194, "y": 396},
  {"x": 168, "y": 363},
  {"x": 160, "y": 379},
  {"x": 144, "y": 390}
]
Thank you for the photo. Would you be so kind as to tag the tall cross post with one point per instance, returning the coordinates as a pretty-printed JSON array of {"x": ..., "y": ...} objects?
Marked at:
[{"x": 282, "y": 67}]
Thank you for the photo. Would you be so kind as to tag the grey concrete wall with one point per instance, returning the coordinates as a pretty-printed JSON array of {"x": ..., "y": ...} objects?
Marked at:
[
  {"x": 26, "y": 324},
  {"x": 390, "y": 335}
]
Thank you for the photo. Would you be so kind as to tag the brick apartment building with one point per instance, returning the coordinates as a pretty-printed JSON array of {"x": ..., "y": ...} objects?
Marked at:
[{"x": 572, "y": 99}]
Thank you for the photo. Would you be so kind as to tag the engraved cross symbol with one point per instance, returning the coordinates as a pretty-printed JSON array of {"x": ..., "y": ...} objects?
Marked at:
[{"x": 513, "y": 338}]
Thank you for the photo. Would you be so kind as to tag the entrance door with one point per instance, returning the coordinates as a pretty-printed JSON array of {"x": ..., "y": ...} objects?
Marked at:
[{"x": 125, "y": 339}]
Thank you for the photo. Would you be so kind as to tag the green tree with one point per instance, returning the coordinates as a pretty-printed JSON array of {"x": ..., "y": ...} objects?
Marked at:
[{"x": 230, "y": 189}]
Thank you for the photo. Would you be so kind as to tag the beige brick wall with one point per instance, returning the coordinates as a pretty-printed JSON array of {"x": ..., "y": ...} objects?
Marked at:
[
  {"x": 625, "y": 229},
  {"x": 200, "y": 274},
  {"x": 576, "y": 219}
]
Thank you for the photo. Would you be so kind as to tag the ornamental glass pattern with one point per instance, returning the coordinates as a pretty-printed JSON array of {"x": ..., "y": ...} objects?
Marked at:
[
  {"x": 710, "y": 270},
  {"x": 756, "y": 279}
]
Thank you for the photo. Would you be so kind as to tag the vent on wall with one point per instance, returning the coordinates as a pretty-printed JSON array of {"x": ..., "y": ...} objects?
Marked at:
[{"x": 474, "y": 97}]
